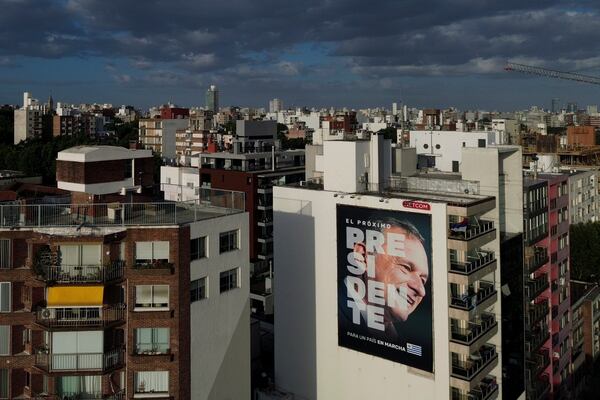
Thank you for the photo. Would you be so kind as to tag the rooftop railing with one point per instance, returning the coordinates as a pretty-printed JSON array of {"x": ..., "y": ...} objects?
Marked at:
[{"x": 110, "y": 214}]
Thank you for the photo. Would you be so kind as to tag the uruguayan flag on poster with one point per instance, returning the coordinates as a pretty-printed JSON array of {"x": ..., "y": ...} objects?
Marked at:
[{"x": 413, "y": 349}]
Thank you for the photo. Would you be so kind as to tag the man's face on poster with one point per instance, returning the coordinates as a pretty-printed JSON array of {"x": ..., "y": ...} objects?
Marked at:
[{"x": 408, "y": 274}]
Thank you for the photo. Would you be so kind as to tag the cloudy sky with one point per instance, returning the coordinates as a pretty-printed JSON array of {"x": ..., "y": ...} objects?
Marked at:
[{"x": 351, "y": 53}]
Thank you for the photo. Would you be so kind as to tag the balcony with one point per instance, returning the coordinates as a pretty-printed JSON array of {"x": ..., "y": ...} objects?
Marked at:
[
  {"x": 467, "y": 236},
  {"x": 539, "y": 388},
  {"x": 76, "y": 362},
  {"x": 486, "y": 390},
  {"x": 538, "y": 258},
  {"x": 537, "y": 311},
  {"x": 467, "y": 374},
  {"x": 81, "y": 317},
  {"x": 536, "y": 363},
  {"x": 88, "y": 395},
  {"x": 78, "y": 274},
  {"x": 464, "y": 306},
  {"x": 468, "y": 340},
  {"x": 154, "y": 267},
  {"x": 535, "y": 338},
  {"x": 535, "y": 286},
  {"x": 474, "y": 268}
]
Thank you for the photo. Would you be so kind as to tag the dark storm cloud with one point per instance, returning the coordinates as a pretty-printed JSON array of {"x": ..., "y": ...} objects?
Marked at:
[{"x": 249, "y": 41}]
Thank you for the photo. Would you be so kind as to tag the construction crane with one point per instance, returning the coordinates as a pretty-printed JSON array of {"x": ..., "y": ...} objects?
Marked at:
[{"x": 572, "y": 76}]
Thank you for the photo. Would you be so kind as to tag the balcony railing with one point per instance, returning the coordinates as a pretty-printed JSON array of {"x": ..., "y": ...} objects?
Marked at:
[
  {"x": 80, "y": 361},
  {"x": 538, "y": 388},
  {"x": 151, "y": 349},
  {"x": 536, "y": 337},
  {"x": 485, "y": 390},
  {"x": 81, "y": 317},
  {"x": 537, "y": 362},
  {"x": 154, "y": 265},
  {"x": 537, "y": 311},
  {"x": 539, "y": 258},
  {"x": 475, "y": 329},
  {"x": 473, "y": 263},
  {"x": 82, "y": 273},
  {"x": 470, "y": 301},
  {"x": 468, "y": 232},
  {"x": 468, "y": 369},
  {"x": 535, "y": 286},
  {"x": 89, "y": 395}
]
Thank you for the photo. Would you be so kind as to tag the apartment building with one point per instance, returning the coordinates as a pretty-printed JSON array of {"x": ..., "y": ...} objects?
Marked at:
[
  {"x": 548, "y": 334},
  {"x": 584, "y": 201},
  {"x": 253, "y": 165},
  {"x": 112, "y": 296},
  {"x": 340, "y": 330},
  {"x": 159, "y": 135},
  {"x": 28, "y": 120},
  {"x": 585, "y": 307}
]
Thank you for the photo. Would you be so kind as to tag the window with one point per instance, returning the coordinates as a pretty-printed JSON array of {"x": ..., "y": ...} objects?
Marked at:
[
  {"x": 228, "y": 241},
  {"x": 151, "y": 382},
  {"x": 152, "y": 340},
  {"x": 4, "y": 340},
  {"x": 78, "y": 255},
  {"x": 198, "y": 290},
  {"x": 228, "y": 280},
  {"x": 152, "y": 296},
  {"x": 3, "y": 383},
  {"x": 5, "y": 297},
  {"x": 198, "y": 248},
  {"x": 128, "y": 168},
  {"x": 5, "y": 256},
  {"x": 480, "y": 142},
  {"x": 149, "y": 252},
  {"x": 83, "y": 386}
]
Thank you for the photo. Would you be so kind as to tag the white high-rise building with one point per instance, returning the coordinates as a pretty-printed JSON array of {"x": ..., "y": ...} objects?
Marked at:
[
  {"x": 275, "y": 105},
  {"x": 28, "y": 119},
  {"x": 389, "y": 286}
]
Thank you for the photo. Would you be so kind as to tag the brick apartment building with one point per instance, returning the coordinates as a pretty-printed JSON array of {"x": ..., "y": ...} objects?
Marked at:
[
  {"x": 548, "y": 320},
  {"x": 108, "y": 295}
]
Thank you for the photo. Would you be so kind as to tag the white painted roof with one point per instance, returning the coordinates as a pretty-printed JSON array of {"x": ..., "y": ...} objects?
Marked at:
[{"x": 100, "y": 153}]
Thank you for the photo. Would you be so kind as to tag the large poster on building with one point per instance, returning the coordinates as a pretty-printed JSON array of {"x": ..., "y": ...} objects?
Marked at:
[{"x": 384, "y": 284}]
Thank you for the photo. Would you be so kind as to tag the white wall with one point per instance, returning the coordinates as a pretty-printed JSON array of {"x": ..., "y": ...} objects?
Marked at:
[
  {"x": 446, "y": 146},
  {"x": 220, "y": 324},
  {"x": 308, "y": 360}
]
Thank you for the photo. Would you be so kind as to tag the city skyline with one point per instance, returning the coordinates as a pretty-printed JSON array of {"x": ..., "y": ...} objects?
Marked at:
[{"x": 313, "y": 54}]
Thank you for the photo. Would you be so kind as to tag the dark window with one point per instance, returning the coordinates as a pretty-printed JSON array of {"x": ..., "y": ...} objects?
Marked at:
[
  {"x": 228, "y": 241},
  {"x": 426, "y": 146},
  {"x": 480, "y": 142},
  {"x": 437, "y": 146},
  {"x": 228, "y": 280},
  {"x": 198, "y": 290},
  {"x": 454, "y": 166},
  {"x": 198, "y": 248},
  {"x": 128, "y": 164}
]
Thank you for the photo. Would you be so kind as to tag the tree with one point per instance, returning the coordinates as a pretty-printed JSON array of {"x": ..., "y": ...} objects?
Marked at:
[
  {"x": 389, "y": 133},
  {"x": 585, "y": 252}
]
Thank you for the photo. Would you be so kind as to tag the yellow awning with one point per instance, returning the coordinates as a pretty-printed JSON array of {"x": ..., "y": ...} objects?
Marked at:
[{"x": 75, "y": 296}]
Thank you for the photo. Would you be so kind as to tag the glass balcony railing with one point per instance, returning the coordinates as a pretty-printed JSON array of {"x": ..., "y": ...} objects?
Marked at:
[
  {"x": 468, "y": 369},
  {"x": 81, "y": 317},
  {"x": 469, "y": 301},
  {"x": 469, "y": 231},
  {"x": 475, "y": 330},
  {"x": 77, "y": 274},
  {"x": 472, "y": 264}
]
